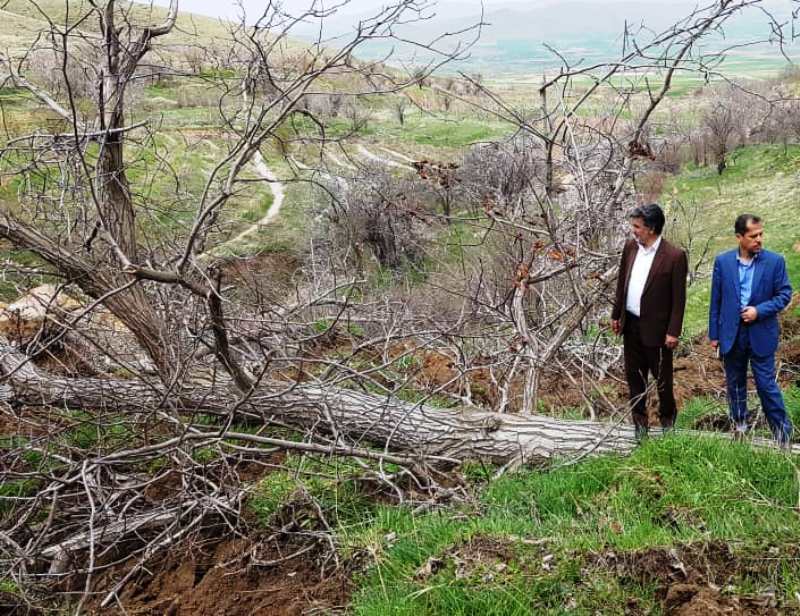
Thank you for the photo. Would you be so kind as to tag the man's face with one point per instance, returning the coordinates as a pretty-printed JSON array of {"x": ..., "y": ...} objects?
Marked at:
[
  {"x": 641, "y": 232},
  {"x": 752, "y": 240}
]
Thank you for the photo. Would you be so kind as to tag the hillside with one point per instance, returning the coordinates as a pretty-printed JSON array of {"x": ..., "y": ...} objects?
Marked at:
[
  {"x": 22, "y": 20},
  {"x": 514, "y": 37},
  {"x": 296, "y": 337}
]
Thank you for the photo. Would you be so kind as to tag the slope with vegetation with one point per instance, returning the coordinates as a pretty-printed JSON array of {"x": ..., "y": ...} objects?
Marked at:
[{"x": 367, "y": 403}]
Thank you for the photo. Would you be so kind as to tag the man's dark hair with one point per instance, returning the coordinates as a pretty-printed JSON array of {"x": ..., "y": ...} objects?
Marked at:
[
  {"x": 740, "y": 226},
  {"x": 652, "y": 215}
]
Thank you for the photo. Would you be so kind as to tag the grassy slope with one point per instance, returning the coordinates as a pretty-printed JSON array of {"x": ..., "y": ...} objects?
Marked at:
[
  {"x": 673, "y": 491},
  {"x": 762, "y": 180},
  {"x": 676, "y": 492},
  {"x": 548, "y": 530},
  {"x": 21, "y": 21},
  {"x": 669, "y": 492}
]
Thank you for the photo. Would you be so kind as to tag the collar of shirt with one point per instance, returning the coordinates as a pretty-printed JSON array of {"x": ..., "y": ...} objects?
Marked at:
[
  {"x": 744, "y": 263},
  {"x": 650, "y": 249}
]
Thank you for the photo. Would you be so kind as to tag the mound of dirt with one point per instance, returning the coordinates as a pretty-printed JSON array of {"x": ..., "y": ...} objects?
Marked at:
[
  {"x": 716, "y": 422},
  {"x": 484, "y": 559},
  {"x": 696, "y": 600},
  {"x": 289, "y": 569},
  {"x": 789, "y": 350},
  {"x": 695, "y": 579},
  {"x": 234, "y": 577}
]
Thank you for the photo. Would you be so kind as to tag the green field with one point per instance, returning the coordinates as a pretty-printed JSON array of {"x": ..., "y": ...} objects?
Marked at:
[
  {"x": 761, "y": 180},
  {"x": 556, "y": 542}
]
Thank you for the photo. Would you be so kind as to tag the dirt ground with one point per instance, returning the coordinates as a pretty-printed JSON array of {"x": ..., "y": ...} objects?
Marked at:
[
  {"x": 12, "y": 605},
  {"x": 221, "y": 577},
  {"x": 237, "y": 576},
  {"x": 695, "y": 579}
]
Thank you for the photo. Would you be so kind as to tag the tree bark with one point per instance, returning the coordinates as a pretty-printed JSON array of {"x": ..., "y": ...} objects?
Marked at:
[
  {"x": 461, "y": 433},
  {"x": 464, "y": 433}
]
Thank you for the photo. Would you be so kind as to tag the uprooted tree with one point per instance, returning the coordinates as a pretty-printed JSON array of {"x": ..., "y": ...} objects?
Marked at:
[{"x": 217, "y": 362}]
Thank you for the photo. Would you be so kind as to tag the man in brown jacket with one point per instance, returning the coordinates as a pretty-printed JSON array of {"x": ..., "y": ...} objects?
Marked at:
[{"x": 648, "y": 312}]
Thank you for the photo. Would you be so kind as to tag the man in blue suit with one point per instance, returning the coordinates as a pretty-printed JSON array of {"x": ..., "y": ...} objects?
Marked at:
[{"x": 749, "y": 288}]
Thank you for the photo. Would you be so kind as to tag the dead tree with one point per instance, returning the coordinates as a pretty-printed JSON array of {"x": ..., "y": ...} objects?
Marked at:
[
  {"x": 224, "y": 361},
  {"x": 566, "y": 219},
  {"x": 722, "y": 125}
]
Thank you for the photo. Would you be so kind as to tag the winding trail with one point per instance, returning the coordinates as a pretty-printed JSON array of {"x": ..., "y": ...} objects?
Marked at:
[
  {"x": 340, "y": 180},
  {"x": 279, "y": 190},
  {"x": 397, "y": 155},
  {"x": 337, "y": 161},
  {"x": 389, "y": 163},
  {"x": 278, "y": 195}
]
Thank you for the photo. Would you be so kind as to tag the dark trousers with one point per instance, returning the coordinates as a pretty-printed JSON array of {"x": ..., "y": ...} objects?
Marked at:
[
  {"x": 763, "y": 367},
  {"x": 641, "y": 360}
]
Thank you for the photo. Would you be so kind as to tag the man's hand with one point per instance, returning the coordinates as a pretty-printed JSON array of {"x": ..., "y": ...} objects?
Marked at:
[
  {"x": 671, "y": 342},
  {"x": 749, "y": 314},
  {"x": 615, "y": 327},
  {"x": 714, "y": 344}
]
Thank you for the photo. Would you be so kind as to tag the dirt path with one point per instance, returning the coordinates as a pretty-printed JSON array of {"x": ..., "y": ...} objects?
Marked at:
[
  {"x": 397, "y": 155},
  {"x": 338, "y": 161},
  {"x": 385, "y": 161},
  {"x": 278, "y": 195},
  {"x": 340, "y": 180},
  {"x": 279, "y": 191}
]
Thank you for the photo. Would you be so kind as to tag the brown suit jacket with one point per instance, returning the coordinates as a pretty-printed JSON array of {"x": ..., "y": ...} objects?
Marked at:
[{"x": 664, "y": 296}]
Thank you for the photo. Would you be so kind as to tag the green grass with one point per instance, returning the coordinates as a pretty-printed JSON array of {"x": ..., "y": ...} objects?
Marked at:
[
  {"x": 89, "y": 434},
  {"x": 760, "y": 180},
  {"x": 670, "y": 492},
  {"x": 10, "y": 281},
  {"x": 12, "y": 490},
  {"x": 331, "y": 483},
  {"x": 289, "y": 232},
  {"x": 419, "y": 129},
  {"x": 697, "y": 408},
  {"x": 442, "y": 132},
  {"x": 9, "y": 586}
]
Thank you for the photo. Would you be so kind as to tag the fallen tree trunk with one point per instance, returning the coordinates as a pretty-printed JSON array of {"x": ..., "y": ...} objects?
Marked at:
[{"x": 464, "y": 433}]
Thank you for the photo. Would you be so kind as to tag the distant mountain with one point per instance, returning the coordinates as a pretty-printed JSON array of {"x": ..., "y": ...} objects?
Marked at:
[{"x": 514, "y": 35}]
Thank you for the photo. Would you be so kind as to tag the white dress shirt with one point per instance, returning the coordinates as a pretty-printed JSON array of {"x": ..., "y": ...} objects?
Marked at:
[{"x": 642, "y": 263}]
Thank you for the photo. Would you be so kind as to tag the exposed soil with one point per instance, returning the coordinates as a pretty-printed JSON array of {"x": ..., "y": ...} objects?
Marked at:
[
  {"x": 12, "y": 605},
  {"x": 790, "y": 333},
  {"x": 696, "y": 600},
  {"x": 484, "y": 559},
  {"x": 698, "y": 372},
  {"x": 290, "y": 571},
  {"x": 696, "y": 579},
  {"x": 235, "y": 577}
]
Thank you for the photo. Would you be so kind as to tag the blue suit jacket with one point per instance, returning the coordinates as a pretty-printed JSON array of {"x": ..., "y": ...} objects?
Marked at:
[{"x": 771, "y": 293}]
